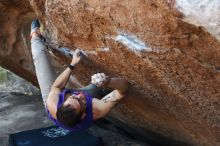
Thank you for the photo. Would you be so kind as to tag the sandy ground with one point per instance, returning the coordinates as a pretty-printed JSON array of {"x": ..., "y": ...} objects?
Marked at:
[{"x": 20, "y": 112}]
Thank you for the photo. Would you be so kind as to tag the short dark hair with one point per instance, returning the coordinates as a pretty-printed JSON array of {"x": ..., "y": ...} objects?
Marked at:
[{"x": 68, "y": 116}]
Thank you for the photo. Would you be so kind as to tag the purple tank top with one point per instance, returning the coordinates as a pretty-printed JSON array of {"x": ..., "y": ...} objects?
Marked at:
[{"x": 86, "y": 122}]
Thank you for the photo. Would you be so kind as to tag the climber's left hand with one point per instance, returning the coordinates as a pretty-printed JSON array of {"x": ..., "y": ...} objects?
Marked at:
[{"x": 77, "y": 56}]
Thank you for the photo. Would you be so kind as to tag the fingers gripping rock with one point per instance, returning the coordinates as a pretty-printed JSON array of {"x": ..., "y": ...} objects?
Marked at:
[{"x": 98, "y": 79}]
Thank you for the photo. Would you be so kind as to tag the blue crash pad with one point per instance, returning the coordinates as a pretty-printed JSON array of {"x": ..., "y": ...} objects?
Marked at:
[{"x": 54, "y": 136}]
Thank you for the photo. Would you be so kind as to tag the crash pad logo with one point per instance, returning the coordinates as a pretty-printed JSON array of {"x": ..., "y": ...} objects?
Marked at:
[{"x": 55, "y": 132}]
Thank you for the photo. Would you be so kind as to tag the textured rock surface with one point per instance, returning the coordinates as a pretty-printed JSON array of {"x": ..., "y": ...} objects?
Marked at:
[
  {"x": 173, "y": 66},
  {"x": 15, "y": 55},
  {"x": 11, "y": 83}
]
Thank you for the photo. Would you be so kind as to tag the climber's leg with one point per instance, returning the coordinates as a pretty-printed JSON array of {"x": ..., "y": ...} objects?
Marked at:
[{"x": 44, "y": 71}]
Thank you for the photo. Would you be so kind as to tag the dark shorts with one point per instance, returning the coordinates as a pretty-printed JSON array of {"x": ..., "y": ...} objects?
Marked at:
[{"x": 94, "y": 91}]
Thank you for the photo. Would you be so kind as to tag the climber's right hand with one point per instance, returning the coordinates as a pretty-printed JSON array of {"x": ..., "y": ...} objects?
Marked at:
[{"x": 77, "y": 56}]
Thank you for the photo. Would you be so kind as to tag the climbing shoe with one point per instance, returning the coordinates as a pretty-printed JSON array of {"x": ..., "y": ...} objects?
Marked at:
[
  {"x": 36, "y": 27},
  {"x": 35, "y": 24}
]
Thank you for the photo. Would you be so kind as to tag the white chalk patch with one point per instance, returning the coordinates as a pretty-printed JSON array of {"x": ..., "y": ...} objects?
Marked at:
[
  {"x": 204, "y": 13},
  {"x": 132, "y": 42},
  {"x": 102, "y": 49},
  {"x": 96, "y": 50}
]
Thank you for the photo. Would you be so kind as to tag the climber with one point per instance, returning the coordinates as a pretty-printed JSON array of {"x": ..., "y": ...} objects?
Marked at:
[{"x": 73, "y": 109}]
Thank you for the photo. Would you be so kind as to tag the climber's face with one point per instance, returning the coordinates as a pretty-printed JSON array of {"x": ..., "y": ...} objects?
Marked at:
[{"x": 77, "y": 102}]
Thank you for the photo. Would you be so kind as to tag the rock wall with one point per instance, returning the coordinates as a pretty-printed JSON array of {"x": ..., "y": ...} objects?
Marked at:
[
  {"x": 15, "y": 18},
  {"x": 173, "y": 66}
]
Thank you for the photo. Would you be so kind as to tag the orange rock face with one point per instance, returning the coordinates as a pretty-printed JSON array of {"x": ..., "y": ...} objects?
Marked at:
[{"x": 173, "y": 66}]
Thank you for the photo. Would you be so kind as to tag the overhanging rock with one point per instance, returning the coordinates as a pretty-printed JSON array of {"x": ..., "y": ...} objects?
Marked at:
[{"x": 172, "y": 65}]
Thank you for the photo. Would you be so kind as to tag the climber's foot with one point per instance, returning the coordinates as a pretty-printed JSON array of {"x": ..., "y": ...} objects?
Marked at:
[
  {"x": 35, "y": 28},
  {"x": 35, "y": 24}
]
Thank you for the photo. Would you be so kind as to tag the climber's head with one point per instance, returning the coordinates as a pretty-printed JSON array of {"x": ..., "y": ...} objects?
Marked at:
[{"x": 71, "y": 111}]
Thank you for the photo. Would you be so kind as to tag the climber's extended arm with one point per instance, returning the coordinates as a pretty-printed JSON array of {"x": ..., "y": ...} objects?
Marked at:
[
  {"x": 103, "y": 106},
  {"x": 60, "y": 83},
  {"x": 63, "y": 78}
]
